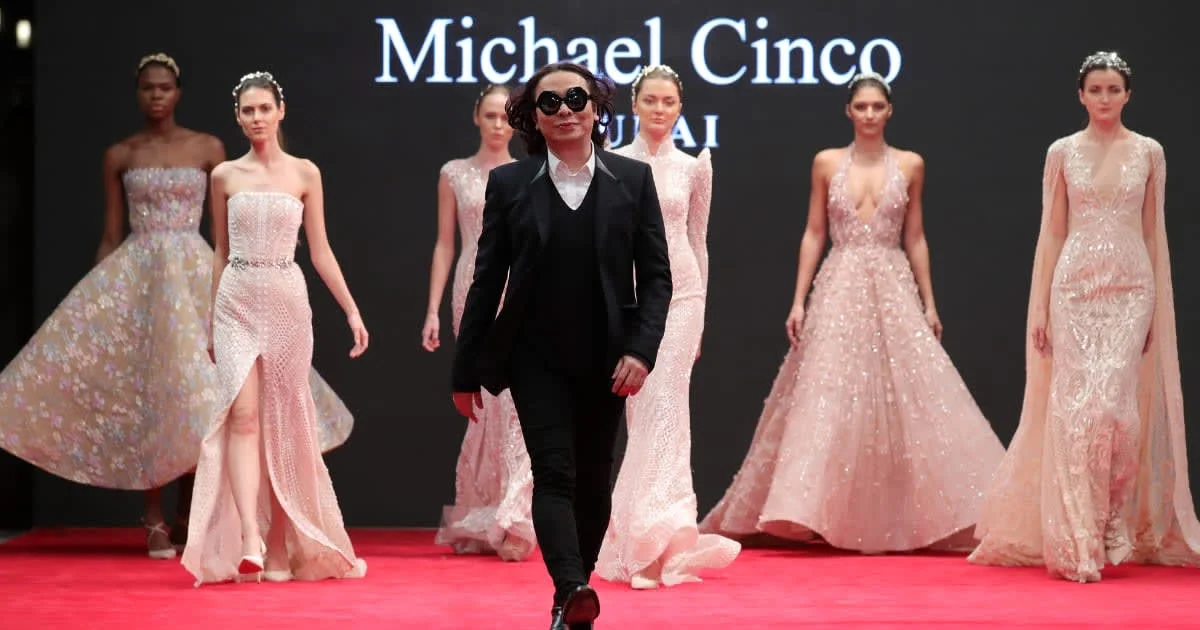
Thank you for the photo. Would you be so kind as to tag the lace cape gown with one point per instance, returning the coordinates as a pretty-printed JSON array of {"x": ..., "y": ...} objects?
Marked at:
[
  {"x": 116, "y": 388},
  {"x": 869, "y": 438},
  {"x": 263, "y": 320},
  {"x": 1100, "y": 451},
  {"x": 493, "y": 496},
  {"x": 653, "y": 523}
]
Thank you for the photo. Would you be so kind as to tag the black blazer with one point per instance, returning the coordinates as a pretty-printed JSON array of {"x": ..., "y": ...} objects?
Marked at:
[{"x": 630, "y": 241}]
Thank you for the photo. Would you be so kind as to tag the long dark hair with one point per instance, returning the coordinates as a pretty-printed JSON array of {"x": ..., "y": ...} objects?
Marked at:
[{"x": 522, "y": 105}]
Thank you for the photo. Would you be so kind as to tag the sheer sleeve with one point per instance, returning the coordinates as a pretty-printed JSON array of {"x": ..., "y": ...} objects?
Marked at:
[
  {"x": 1165, "y": 520},
  {"x": 698, "y": 210}
]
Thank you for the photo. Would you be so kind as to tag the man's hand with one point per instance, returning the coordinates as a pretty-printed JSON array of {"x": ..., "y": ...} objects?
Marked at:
[
  {"x": 629, "y": 376},
  {"x": 467, "y": 402}
]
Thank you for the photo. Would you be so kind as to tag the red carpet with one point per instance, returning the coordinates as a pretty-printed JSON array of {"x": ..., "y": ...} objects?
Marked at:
[{"x": 86, "y": 579}]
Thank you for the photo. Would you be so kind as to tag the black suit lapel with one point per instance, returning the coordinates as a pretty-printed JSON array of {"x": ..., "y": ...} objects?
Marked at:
[
  {"x": 610, "y": 193},
  {"x": 537, "y": 194}
]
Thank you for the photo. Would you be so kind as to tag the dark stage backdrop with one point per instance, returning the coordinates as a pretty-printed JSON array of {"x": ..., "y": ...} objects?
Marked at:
[{"x": 380, "y": 95}]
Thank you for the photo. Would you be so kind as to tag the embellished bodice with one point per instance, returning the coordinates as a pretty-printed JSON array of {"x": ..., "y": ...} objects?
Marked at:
[
  {"x": 468, "y": 182},
  {"x": 673, "y": 179},
  {"x": 263, "y": 226},
  {"x": 684, "y": 186},
  {"x": 165, "y": 199},
  {"x": 886, "y": 223},
  {"x": 1106, "y": 186}
]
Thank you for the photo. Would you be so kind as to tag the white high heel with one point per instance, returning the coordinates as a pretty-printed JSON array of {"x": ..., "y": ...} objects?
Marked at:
[
  {"x": 253, "y": 564},
  {"x": 642, "y": 583},
  {"x": 284, "y": 575}
]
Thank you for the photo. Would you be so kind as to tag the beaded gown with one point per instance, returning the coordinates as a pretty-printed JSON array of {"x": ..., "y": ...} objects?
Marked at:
[
  {"x": 653, "y": 529},
  {"x": 1097, "y": 470},
  {"x": 116, "y": 388},
  {"x": 493, "y": 495},
  {"x": 262, "y": 320},
  {"x": 869, "y": 438}
]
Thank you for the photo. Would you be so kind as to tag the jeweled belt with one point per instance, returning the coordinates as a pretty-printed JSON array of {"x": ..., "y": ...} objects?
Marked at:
[{"x": 242, "y": 263}]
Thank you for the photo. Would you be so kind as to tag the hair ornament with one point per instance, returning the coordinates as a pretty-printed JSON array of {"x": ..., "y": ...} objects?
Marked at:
[
  {"x": 663, "y": 68},
  {"x": 257, "y": 75},
  {"x": 874, "y": 76},
  {"x": 1105, "y": 59},
  {"x": 158, "y": 57}
]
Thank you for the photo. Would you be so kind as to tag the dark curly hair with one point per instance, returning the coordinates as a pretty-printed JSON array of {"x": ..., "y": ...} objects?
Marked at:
[{"x": 522, "y": 105}]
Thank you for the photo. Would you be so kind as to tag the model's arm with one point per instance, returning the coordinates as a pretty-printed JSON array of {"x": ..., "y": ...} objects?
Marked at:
[
  {"x": 487, "y": 287},
  {"x": 443, "y": 258},
  {"x": 698, "y": 210},
  {"x": 1152, "y": 207},
  {"x": 652, "y": 271},
  {"x": 322, "y": 256},
  {"x": 1050, "y": 244},
  {"x": 915, "y": 244},
  {"x": 218, "y": 213},
  {"x": 114, "y": 202},
  {"x": 812, "y": 244}
]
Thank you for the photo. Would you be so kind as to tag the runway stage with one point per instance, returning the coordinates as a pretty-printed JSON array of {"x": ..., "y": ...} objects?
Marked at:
[{"x": 96, "y": 579}]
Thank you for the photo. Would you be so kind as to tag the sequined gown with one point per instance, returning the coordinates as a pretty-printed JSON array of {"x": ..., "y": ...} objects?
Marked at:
[
  {"x": 1098, "y": 466},
  {"x": 493, "y": 480},
  {"x": 262, "y": 316},
  {"x": 116, "y": 388},
  {"x": 653, "y": 524},
  {"x": 869, "y": 438}
]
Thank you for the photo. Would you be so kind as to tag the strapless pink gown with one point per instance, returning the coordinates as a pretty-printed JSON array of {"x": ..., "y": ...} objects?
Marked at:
[{"x": 262, "y": 313}]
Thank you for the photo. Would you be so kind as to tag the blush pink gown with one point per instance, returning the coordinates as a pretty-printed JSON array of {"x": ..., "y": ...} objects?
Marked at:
[
  {"x": 262, "y": 314},
  {"x": 653, "y": 524},
  {"x": 493, "y": 484},
  {"x": 869, "y": 438},
  {"x": 1097, "y": 471}
]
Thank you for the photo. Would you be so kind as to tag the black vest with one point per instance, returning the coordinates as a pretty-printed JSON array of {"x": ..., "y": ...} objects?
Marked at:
[{"x": 565, "y": 317}]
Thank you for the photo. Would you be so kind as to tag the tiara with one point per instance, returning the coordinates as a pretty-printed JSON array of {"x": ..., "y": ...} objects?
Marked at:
[
  {"x": 874, "y": 76},
  {"x": 665, "y": 69},
  {"x": 256, "y": 75},
  {"x": 1105, "y": 59},
  {"x": 162, "y": 58}
]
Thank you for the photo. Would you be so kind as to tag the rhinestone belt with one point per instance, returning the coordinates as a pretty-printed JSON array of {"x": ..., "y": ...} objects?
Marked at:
[{"x": 242, "y": 263}]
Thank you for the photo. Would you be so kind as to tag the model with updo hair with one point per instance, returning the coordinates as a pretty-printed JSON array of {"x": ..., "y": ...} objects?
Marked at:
[
  {"x": 652, "y": 538},
  {"x": 869, "y": 440},
  {"x": 493, "y": 487},
  {"x": 1097, "y": 473}
]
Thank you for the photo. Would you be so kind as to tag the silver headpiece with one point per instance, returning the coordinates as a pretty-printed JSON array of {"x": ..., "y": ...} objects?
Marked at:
[
  {"x": 162, "y": 58},
  {"x": 1105, "y": 59},
  {"x": 256, "y": 75},
  {"x": 870, "y": 75},
  {"x": 663, "y": 68}
]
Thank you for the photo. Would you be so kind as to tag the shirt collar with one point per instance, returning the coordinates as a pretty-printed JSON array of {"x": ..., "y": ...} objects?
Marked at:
[{"x": 559, "y": 168}]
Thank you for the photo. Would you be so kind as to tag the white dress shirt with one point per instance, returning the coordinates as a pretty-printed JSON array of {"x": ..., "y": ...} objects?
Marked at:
[{"x": 572, "y": 187}]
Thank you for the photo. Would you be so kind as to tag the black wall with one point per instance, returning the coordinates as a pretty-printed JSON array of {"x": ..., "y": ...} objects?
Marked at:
[{"x": 981, "y": 91}]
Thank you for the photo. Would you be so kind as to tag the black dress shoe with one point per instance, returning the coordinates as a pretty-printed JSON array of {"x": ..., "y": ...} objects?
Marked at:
[
  {"x": 578, "y": 610},
  {"x": 582, "y": 605},
  {"x": 556, "y": 621}
]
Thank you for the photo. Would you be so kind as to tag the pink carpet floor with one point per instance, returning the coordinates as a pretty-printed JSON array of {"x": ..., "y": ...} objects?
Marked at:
[{"x": 95, "y": 579}]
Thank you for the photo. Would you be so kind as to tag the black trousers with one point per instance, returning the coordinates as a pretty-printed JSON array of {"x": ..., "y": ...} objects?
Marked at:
[{"x": 570, "y": 418}]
